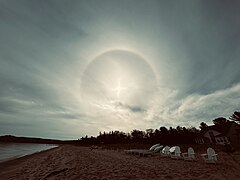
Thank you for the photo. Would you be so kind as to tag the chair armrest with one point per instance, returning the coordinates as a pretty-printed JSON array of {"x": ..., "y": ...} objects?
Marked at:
[{"x": 204, "y": 155}]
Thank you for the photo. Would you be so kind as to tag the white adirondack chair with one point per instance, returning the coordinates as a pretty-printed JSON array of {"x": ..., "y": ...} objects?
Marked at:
[
  {"x": 165, "y": 151},
  {"x": 158, "y": 149},
  {"x": 176, "y": 152},
  {"x": 210, "y": 157},
  {"x": 190, "y": 155},
  {"x": 153, "y": 147}
]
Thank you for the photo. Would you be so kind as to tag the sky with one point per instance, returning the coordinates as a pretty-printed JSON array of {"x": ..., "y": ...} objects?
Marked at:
[{"x": 75, "y": 68}]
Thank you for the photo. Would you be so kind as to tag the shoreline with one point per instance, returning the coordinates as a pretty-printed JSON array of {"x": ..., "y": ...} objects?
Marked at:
[
  {"x": 26, "y": 153},
  {"x": 13, "y": 161},
  {"x": 77, "y": 162}
]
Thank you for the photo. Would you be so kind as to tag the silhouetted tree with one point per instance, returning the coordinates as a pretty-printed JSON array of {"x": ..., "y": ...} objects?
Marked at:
[
  {"x": 164, "y": 130},
  {"x": 235, "y": 116},
  {"x": 164, "y": 135},
  {"x": 220, "y": 121},
  {"x": 149, "y": 133},
  {"x": 203, "y": 125},
  {"x": 193, "y": 130},
  {"x": 137, "y": 135}
]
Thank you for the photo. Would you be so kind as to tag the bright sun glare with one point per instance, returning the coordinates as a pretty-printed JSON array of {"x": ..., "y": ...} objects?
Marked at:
[
  {"x": 119, "y": 89},
  {"x": 118, "y": 77}
]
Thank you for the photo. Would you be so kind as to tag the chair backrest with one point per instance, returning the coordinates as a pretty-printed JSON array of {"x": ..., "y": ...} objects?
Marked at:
[
  {"x": 172, "y": 149},
  {"x": 153, "y": 147},
  {"x": 158, "y": 148},
  {"x": 165, "y": 150},
  {"x": 191, "y": 153},
  {"x": 177, "y": 151},
  {"x": 211, "y": 154}
]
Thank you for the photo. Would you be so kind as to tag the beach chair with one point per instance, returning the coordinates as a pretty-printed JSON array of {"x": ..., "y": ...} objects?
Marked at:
[
  {"x": 190, "y": 155},
  {"x": 153, "y": 147},
  {"x": 165, "y": 151},
  {"x": 175, "y": 152},
  {"x": 158, "y": 149},
  {"x": 210, "y": 157}
]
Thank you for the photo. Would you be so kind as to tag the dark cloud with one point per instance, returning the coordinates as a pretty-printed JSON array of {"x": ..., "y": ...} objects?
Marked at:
[
  {"x": 132, "y": 108},
  {"x": 136, "y": 109}
]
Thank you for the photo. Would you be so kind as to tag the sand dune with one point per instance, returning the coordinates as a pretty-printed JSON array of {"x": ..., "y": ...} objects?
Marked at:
[{"x": 72, "y": 162}]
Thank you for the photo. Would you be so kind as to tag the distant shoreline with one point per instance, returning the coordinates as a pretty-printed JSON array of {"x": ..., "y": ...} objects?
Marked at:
[{"x": 16, "y": 139}]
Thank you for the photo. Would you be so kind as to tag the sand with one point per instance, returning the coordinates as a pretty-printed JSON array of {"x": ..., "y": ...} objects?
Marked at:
[{"x": 74, "y": 162}]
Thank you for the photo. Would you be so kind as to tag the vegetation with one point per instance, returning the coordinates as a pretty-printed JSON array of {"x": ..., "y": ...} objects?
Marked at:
[
  {"x": 163, "y": 135},
  {"x": 235, "y": 116},
  {"x": 14, "y": 139}
]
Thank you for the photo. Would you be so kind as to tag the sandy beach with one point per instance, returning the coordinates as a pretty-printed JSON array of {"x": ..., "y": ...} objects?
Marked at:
[{"x": 73, "y": 162}]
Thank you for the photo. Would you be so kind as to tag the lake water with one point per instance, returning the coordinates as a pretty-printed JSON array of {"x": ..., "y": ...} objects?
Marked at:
[{"x": 15, "y": 150}]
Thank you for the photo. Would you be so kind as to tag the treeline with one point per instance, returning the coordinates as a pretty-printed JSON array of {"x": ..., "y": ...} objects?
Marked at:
[
  {"x": 14, "y": 139},
  {"x": 163, "y": 135}
]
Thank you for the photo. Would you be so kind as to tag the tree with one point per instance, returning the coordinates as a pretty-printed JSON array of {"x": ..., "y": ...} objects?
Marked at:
[
  {"x": 203, "y": 125},
  {"x": 235, "y": 116},
  {"x": 149, "y": 132},
  {"x": 137, "y": 135},
  {"x": 220, "y": 121},
  {"x": 164, "y": 130},
  {"x": 193, "y": 129}
]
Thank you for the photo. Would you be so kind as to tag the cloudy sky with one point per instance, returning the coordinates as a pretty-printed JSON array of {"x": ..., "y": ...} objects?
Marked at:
[{"x": 74, "y": 68}]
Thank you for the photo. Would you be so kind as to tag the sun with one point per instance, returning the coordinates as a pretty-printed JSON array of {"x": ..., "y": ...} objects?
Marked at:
[
  {"x": 119, "y": 89},
  {"x": 118, "y": 77}
]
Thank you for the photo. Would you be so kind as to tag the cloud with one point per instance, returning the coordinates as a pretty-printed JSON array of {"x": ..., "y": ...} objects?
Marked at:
[
  {"x": 195, "y": 108},
  {"x": 192, "y": 49},
  {"x": 132, "y": 108}
]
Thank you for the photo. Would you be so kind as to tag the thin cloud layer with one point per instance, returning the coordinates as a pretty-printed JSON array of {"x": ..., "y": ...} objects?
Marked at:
[{"x": 188, "y": 71}]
